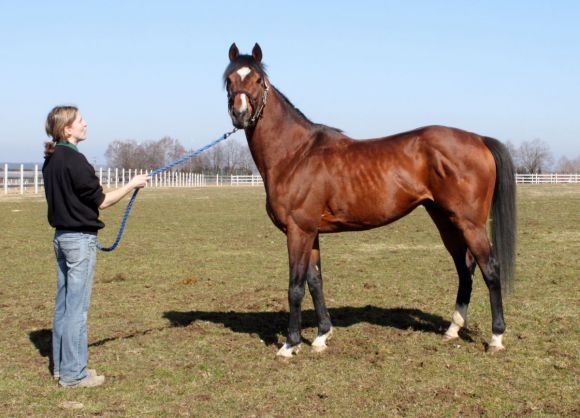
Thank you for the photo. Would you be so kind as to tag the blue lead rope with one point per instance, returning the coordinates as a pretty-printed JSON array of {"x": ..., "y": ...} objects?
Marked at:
[{"x": 153, "y": 173}]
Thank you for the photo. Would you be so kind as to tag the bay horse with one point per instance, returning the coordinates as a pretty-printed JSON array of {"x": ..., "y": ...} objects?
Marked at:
[{"x": 318, "y": 180}]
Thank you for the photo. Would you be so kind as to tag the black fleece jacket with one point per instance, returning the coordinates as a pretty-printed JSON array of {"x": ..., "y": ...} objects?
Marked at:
[{"x": 73, "y": 191}]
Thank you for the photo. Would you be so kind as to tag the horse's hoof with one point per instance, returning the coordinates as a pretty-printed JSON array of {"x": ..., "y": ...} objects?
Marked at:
[
  {"x": 319, "y": 348},
  {"x": 287, "y": 351},
  {"x": 496, "y": 345},
  {"x": 492, "y": 349},
  {"x": 452, "y": 332},
  {"x": 319, "y": 343}
]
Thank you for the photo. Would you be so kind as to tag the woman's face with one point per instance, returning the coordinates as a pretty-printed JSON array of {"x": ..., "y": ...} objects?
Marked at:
[{"x": 77, "y": 130}]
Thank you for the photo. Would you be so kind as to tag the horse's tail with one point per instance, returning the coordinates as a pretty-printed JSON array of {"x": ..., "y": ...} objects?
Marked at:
[{"x": 503, "y": 212}]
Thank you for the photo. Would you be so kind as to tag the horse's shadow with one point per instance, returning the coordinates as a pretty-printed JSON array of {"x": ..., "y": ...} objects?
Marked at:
[{"x": 268, "y": 325}]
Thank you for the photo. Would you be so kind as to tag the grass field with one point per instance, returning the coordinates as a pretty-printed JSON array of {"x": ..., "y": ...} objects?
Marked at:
[{"x": 187, "y": 315}]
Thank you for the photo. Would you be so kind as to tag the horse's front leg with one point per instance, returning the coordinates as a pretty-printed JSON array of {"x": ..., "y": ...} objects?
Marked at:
[
  {"x": 314, "y": 279},
  {"x": 299, "y": 251}
]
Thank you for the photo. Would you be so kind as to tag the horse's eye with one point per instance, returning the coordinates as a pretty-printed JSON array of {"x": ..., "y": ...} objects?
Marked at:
[{"x": 259, "y": 81}]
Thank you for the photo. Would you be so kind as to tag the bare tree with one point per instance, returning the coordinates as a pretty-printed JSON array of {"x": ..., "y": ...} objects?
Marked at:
[
  {"x": 198, "y": 164},
  {"x": 215, "y": 158},
  {"x": 534, "y": 157},
  {"x": 247, "y": 161},
  {"x": 122, "y": 153},
  {"x": 567, "y": 166}
]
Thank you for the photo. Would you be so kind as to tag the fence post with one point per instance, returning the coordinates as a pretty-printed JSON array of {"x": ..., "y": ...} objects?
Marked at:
[
  {"x": 101, "y": 176},
  {"x": 109, "y": 178},
  {"x": 5, "y": 178},
  {"x": 35, "y": 178},
  {"x": 21, "y": 178}
]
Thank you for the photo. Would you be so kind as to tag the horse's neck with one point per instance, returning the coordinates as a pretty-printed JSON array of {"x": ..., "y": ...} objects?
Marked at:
[{"x": 278, "y": 136}]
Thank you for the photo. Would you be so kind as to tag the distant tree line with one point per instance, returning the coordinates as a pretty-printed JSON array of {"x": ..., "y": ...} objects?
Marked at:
[
  {"x": 535, "y": 157},
  {"x": 227, "y": 158}
]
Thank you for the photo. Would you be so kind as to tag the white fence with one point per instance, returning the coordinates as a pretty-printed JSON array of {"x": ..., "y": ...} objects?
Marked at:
[
  {"x": 18, "y": 179},
  {"x": 547, "y": 178}
]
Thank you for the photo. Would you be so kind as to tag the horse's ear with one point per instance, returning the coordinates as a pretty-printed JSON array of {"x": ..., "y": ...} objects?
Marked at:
[
  {"x": 257, "y": 53},
  {"x": 233, "y": 52}
]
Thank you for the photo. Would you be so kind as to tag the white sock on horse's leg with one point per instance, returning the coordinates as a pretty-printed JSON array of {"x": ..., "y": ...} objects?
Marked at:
[
  {"x": 458, "y": 320},
  {"x": 319, "y": 343}
]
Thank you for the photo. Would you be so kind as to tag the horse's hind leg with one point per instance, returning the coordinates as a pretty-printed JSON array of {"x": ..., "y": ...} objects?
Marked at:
[
  {"x": 314, "y": 279},
  {"x": 464, "y": 263},
  {"x": 479, "y": 245}
]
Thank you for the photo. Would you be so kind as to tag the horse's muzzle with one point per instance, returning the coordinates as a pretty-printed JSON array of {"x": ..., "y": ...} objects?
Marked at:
[
  {"x": 241, "y": 105},
  {"x": 241, "y": 120}
]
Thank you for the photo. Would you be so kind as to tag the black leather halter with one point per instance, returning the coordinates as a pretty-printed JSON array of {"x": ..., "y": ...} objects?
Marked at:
[{"x": 257, "y": 110}]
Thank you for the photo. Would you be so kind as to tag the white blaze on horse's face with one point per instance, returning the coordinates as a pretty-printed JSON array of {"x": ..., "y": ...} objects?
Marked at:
[
  {"x": 243, "y": 72},
  {"x": 244, "y": 103}
]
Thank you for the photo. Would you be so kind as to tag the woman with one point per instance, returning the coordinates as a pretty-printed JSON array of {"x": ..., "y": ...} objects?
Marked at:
[{"x": 74, "y": 197}]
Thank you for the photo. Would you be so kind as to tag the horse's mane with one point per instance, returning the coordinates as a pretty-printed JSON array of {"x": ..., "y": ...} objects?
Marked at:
[
  {"x": 249, "y": 61},
  {"x": 303, "y": 116}
]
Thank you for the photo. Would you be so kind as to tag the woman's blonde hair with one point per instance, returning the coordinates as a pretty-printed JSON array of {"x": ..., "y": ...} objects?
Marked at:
[{"x": 59, "y": 118}]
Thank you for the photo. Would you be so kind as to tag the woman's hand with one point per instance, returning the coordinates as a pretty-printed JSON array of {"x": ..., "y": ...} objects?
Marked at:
[
  {"x": 139, "y": 181},
  {"x": 114, "y": 196}
]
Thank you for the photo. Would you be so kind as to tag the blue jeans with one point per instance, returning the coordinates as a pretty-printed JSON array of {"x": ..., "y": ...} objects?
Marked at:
[{"x": 76, "y": 256}]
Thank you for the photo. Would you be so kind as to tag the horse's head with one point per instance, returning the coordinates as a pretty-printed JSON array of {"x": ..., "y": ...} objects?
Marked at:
[{"x": 246, "y": 82}]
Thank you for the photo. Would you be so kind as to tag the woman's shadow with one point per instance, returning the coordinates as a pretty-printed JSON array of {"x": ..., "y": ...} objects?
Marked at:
[{"x": 42, "y": 340}]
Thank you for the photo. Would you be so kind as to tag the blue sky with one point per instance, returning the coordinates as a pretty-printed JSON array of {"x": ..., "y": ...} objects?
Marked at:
[{"x": 146, "y": 69}]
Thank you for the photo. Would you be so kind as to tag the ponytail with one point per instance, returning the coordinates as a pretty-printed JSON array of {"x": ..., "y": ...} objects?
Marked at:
[{"x": 49, "y": 148}]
